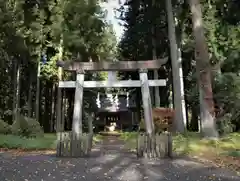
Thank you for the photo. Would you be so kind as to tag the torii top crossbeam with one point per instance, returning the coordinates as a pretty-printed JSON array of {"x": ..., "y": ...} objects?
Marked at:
[{"x": 112, "y": 66}]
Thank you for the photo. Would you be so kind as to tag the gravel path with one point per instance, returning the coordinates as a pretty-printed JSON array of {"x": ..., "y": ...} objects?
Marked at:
[{"x": 109, "y": 161}]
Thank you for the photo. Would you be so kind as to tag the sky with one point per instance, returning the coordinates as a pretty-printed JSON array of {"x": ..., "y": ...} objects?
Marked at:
[{"x": 110, "y": 6}]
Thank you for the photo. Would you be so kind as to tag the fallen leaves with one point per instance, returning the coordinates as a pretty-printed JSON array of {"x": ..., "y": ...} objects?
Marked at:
[
  {"x": 223, "y": 161},
  {"x": 19, "y": 152}
]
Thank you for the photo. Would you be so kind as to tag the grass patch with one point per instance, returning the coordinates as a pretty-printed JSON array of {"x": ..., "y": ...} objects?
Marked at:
[
  {"x": 128, "y": 136},
  {"x": 47, "y": 142},
  {"x": 224, "y": 152},
  {"x": 130, "y": 140},
  {"x": 112, "y": 133},
  {"x": 97, "y": 138},
  {"x": 192, "y": 143}
]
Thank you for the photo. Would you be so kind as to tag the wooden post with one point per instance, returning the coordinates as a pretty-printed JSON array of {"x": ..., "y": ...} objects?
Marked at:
[
  {"x": 78, "y": 102},
  {"x": 147, "y": 106}
]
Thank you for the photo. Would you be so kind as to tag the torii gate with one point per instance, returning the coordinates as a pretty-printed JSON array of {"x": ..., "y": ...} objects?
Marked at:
[{"x": 79, "y": 84}]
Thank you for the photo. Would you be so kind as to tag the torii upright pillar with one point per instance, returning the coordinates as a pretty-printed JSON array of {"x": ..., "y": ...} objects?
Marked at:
[
  {"x": 78, "y": 104},
  {"x": 147, "y": 105}
]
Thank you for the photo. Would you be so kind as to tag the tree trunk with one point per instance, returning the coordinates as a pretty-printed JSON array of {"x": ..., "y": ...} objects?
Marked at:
[
  {"x": 47, "y": 107},
  {"x": 194, "y": 119},
  {"x": 138, "y": 105},
  {"x": 18, "y": 92},
  {"x": 59, "y": 92},
  {"x": 17, "y": 71},
  {"x": 53, "y": 108},
  {"x": 14, "y": 63},
  {"x": 90, "y": 123},
  {"x": 64, "y": 108},
  {"x": 154, "y": 57},
  {"x": 29, "y": 106},
  {"x": 38, "y": 92},
  {"x": 207, "y": 114},
  {"x": 70, "y": 109},
  {"x": 170, "y": 97},
  {"x": 178, "y": 87}
]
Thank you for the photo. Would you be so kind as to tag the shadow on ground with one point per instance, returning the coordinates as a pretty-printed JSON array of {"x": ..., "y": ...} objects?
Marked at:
[{"x": 109, "y": 161}]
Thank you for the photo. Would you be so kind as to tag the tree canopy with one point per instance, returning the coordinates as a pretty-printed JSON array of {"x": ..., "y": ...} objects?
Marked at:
[{"x": 35, "y": 34}]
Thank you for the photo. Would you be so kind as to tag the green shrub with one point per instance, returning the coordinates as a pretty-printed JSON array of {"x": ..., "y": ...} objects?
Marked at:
[
  {"x": 224, "y": 124},
  {"x": 35, "y": 128},
  {"x": 16, "y": 128},
  {"x": 4, "y": 127},
  {"x": 27, "y": 127},
  {"x": 235, "y": 153},
  {"x": 226, "y": 89}
]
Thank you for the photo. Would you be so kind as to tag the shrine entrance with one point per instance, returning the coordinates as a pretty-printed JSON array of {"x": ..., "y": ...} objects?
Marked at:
[
  {"x": 110, "y": 121},
  {"x": 81, "y": 143},
  {"x": 112, "y": 117},
  {"x": 123, "y": 121}
]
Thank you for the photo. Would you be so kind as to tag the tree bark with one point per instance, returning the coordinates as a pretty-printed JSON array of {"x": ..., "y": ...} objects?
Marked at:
[
  {"x": 203, "y": 66},
  {"x": 64, "y": 108},
  {"x": 70, "y": 109},
  {"x": 53, "y": 108},
  {"x": 14, "y": 63},
  {"x": 16, "y": 102},
  {"x": 29, "y": 104},
  {"x": 178, "y": 87},
  {"x": 59, "y": 92},
  {"x": 18, "y": 92},
  {"x": 38, "y": 92},
  {"x": 154, "y": 57},
  {"x": 194, "y": 119}
]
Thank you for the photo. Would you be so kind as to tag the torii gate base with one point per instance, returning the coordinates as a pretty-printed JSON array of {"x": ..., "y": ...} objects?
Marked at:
[
  {"x": 157, "y": 146},
  {"x": 76, "y": 143}
]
